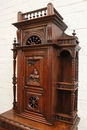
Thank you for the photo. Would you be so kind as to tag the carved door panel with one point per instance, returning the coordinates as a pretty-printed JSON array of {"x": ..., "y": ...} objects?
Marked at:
[
  {"x": 33, "y": 83},
  {"x": 36, "y": 84}
]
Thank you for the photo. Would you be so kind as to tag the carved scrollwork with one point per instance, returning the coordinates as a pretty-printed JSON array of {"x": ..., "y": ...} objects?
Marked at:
[{"x": 31, "y": 62}]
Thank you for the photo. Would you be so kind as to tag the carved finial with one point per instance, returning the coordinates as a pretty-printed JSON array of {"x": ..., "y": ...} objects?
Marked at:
[
  {"x": 14, "y": 44},
  {"x": 73, "y": 33},
  {"x": 14, "y": 40}
]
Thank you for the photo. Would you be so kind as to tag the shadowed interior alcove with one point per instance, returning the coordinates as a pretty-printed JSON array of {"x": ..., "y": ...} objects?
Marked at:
[{"x": 65, "y": 66}]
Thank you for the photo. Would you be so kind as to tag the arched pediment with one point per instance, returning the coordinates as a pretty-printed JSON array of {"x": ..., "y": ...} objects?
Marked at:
[{"x": 33, "y": 37}]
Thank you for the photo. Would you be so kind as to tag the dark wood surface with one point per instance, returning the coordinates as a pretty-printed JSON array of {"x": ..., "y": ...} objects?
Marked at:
[
  {"x": 15, "y": 122},
  {"x": 46, "y": 60}
]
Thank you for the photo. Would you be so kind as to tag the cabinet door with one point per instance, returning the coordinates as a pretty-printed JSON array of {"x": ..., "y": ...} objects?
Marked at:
[{"x": 35, "y": 89}]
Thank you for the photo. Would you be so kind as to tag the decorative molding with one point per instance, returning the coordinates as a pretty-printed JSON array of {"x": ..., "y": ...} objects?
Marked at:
[
  {"x": 66, "y": 118},
  {"x": 35, "y": 57},
  {"x": 13, "y": 125},
  {"x": 66, "y": 41},
  {"x": 61, "y": 85},
  {"x": 49, "y": 33}
]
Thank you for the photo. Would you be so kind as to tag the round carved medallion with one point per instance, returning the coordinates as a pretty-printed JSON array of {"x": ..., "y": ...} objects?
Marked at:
[{"x": 33, "y": 102}]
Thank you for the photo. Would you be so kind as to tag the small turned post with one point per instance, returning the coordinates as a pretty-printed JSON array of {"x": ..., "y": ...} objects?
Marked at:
[
  {"x": 19, "y": 16},
  {"x": 50, "y": 9},
  {"x": 14, "y": 74},
  {"x": 73, "y": 33}
]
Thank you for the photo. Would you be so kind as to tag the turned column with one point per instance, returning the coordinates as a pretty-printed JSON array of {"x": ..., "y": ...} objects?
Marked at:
[
  {"x": 73, "y": 69},
  {"x": 14, "y": 73},
  {"x": 72, "y": 102},
  {"x": 77, "y": 66}
]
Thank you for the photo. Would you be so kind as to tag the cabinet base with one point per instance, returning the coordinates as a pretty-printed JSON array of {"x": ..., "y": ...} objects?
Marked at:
[{"x": 10, "y": 121}]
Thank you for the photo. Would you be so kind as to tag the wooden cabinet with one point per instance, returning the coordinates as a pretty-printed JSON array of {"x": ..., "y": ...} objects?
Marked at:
[{"x": 47, "y": 72}]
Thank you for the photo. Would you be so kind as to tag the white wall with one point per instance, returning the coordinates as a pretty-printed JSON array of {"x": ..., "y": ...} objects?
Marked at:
[{"x": 75, "y": 16}]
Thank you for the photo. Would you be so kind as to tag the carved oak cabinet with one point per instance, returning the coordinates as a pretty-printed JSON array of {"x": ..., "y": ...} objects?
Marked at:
[{"x": 47, "y": 74}]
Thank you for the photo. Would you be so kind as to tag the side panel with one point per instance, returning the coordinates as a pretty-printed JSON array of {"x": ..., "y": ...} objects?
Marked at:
[{"x": 20, "y": 81}]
